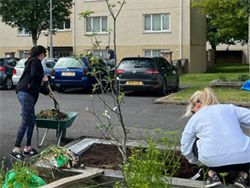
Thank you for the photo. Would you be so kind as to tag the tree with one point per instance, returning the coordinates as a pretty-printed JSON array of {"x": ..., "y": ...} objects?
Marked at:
[
  {"x": 246, "y": 3},
  {"x": 228, "y": 20},
  {"x": 213, "y": 36},
  {"x": 34, "y": 15}
]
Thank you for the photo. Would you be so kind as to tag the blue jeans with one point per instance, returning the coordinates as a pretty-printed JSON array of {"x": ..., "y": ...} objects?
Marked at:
[{"x": 28, "y": 118}]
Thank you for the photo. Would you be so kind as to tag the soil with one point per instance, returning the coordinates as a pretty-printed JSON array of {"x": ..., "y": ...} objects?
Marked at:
[
  {"x": 52, "y": 114},
  {"x": 108, "y": 157}
]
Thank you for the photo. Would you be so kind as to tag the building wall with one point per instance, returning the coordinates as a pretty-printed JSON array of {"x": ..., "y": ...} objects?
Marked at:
[
  {"x": 131, "y": 40},
  {"x": 198, "y": 43}
]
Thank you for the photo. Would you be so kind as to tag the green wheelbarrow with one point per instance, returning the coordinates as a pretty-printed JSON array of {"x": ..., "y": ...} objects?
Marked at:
[{"x": 59, "y": 125}]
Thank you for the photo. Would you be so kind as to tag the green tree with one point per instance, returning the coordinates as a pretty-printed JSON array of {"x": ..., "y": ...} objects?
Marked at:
[
  {"x": 228, "y": 20},
  {"x": 34, "y": 15},
  {"x": 213, "y": 36}
]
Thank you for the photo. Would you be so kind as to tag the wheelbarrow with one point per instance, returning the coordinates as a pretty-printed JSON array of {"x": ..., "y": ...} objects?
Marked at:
[{"x": 59, "y": 125}]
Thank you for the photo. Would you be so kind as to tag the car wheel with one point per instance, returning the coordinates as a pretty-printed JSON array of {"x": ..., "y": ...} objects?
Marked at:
[
  {"x": 177, "y": 86},
  {"x": 163, "y": 89},
  {"x": 60, "y": 89},
  {"x": 8, "y": 83}
]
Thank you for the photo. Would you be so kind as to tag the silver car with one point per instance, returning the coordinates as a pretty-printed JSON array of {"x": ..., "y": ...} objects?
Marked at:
[{"x": 47, "y": 63}]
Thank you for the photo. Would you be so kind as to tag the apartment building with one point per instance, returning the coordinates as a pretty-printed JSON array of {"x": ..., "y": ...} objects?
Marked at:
[{"x": 143, "y": 28}]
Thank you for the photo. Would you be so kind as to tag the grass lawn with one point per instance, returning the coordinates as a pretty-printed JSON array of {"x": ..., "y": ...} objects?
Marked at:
[{"x": 221, "y": 72}]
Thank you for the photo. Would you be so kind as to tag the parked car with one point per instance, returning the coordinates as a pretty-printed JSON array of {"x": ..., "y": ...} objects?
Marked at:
[
  {"x": 146, "y": 73},
  {"x": 70, "y": 72},
  {"x": 47, "y": 63},
  {"x": 7, "y": 65}
]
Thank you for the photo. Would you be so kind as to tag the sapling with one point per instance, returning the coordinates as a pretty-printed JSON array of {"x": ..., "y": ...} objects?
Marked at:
[{"x": 109, "y": 79}]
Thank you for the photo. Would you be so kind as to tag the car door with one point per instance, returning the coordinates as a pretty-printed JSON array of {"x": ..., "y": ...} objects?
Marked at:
[
  {"x": 167, "y": 70},
  {"x": 171, "y": 73}
]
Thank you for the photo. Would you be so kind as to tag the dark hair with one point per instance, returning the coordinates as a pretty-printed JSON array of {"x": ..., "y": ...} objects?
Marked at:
[
  {"x": 107, "y": 47},
  {"x": 37, "y": 50}
]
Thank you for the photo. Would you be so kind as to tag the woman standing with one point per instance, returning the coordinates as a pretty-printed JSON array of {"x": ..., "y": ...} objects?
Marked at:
[
  {"x": 213, "y": 137},
  {"x": 28, "y": 89}
]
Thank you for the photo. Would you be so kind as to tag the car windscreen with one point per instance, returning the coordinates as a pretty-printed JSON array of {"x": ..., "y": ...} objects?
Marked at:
[
  {"x": 50, "y": 63},
  {"x": 21, "y": 63},
  {"x": 136, "y": 63},
  {"x": 69, "y": 63}
]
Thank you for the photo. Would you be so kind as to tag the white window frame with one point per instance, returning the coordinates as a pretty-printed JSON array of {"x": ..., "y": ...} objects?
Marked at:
[
  {"x": 23, "y": 32},
  {"x": 152, "y": 52},
  {"x": 65, "y": 29},
  {"x": 93, "y": 0},
  {"x": 92, "y": 25},
  {"x": 161, "y": 23}
]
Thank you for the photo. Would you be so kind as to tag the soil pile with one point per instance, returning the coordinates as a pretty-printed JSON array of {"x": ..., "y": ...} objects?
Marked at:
[
  {"x": 52, "y": 114},
  {"x": 108, "y": 157}
]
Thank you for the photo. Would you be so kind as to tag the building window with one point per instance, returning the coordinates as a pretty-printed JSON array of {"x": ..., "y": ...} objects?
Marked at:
[
  {"x": 21, "y": 54},
  {"x": 151, "y": 53},
  {"x": 96, "y": 24},
  {"x": 93, "y": 0},
  {"x": 23, "y": 32},
  {"x": 64, "y": 25},
  {"x": 99, "y": 53},
  {"x": 157, "y": 22}
]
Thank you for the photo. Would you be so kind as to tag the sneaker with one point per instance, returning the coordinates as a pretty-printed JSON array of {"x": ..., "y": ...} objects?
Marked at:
[
  {"x": 240, "y": 182},
  {"x": 213, "y": 181},
  {"x": 17, "y": 155},
  {"x": 31, "y": 152}
]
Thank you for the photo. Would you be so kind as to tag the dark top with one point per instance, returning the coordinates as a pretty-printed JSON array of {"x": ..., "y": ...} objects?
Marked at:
[
  {"x": 112, "y": 54},
  {"x": 31, "y": 79}
]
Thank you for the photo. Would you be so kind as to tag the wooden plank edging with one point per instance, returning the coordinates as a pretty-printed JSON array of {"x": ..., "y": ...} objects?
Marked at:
[{"x": 72, "y": 179}]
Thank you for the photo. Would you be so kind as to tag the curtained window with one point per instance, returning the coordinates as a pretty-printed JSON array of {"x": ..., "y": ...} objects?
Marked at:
[
  {"x": 96, "y": 24},
  {"x": 157, "y": 22}
]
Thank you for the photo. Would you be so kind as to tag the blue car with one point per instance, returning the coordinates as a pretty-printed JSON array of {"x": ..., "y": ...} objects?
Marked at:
[{"x": 70, "y": 72}]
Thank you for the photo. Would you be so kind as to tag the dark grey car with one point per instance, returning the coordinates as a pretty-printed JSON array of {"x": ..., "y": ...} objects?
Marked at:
[
  {"x": 147, "y": 73},
  {"x": 7, "y": 65}
]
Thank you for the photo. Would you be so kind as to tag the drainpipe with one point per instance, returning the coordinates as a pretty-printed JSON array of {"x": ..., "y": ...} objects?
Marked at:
[
  {"x": 51, "y": 32},
  {"x": 73, "y": 27},
  {"x": 181, "y": 25}
]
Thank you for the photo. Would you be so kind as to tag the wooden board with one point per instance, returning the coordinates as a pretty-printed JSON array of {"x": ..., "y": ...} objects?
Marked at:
[{"x": 72, "y": 179}]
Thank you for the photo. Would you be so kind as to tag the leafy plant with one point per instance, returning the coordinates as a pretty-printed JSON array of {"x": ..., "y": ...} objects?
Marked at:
[
  {"x": 154, "y": 163},
  {"x": 243, "y": 77},
  {"x": 222, "y": 77},
  {"x": 223, "y": 175}
]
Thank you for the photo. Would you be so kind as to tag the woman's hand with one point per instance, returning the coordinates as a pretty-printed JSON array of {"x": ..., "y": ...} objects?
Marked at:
[
  {"x": 51, "y": 95},
  {"x": 45, "y": 79}
]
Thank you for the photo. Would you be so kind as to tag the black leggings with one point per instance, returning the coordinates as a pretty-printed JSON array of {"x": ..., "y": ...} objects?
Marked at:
[
  {"x": 28, "y": 119},
  {"x": 235, "y": 167}
]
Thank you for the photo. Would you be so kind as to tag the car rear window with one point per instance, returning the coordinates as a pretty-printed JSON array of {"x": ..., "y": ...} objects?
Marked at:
[
  {"x": 136, "y": 63},
  {"x": 50, "y": 63},
  {"x": 21, "y": 63},
  {"x": 1, "y": 62},
  {"x": 69, "y": 63}
]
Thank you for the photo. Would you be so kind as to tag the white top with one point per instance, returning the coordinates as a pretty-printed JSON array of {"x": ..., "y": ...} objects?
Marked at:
[{"x": 221, "y": 139}]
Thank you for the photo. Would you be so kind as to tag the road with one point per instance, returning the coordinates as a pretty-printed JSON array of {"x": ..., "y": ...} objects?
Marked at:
[{"x": 138, "y": 109}]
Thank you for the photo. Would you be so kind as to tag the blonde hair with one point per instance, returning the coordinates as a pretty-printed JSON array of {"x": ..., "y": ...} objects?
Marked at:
[{"x": 206, "y": 97}]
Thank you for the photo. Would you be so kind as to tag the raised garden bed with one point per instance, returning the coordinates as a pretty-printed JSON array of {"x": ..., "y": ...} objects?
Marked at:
[
  {"x": 100, "y": 155},
  {"x": 226, "y": 84}
]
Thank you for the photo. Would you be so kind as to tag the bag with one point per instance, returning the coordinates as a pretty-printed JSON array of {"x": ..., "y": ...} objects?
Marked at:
[
  {"x": 246, "y": 86},
  {"x": 11, "y": 179}
]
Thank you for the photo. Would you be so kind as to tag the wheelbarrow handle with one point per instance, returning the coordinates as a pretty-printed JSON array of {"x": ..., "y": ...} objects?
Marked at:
[{"x": 50, "y": 90}]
